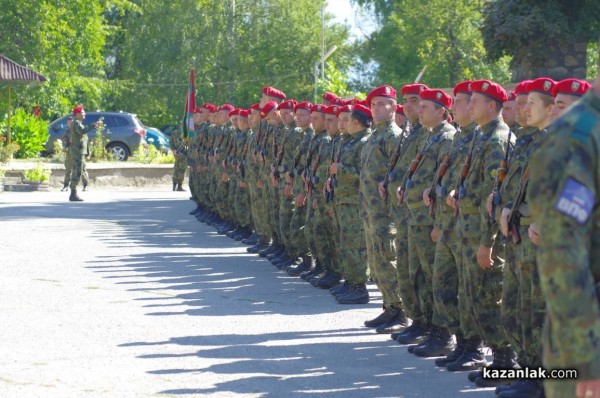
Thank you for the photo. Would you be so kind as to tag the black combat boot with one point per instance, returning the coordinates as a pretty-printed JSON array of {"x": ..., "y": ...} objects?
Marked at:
[
  {"x": 440, "y": 344},
  {"x": 504, "y": 358},
  {"x": 387, "y": 314},
  {"x": 329, "y": 280},
  {"x": 472, "y": 357},
  {"x": 180, "y": 188},
  {"x": 357, "y": 294},
  {"x": 65, "y": 187},
  {"x": 312, "y": 272},
  {"x": 453, "y": 355},
  {"x": 296, "y": 270},
  {"x": 398, "y": 323},
  {"x": 524, "y": 388},
  {"x": 74, "y": 197},
  {"x": 85, "y": 185},
  {"x": 174, "y": 186},
  {"x": 413, "y": 334},
  {"x": 340, "y": 290}
]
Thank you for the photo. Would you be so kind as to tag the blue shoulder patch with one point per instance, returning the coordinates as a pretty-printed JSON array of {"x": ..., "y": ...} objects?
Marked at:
[{"x": 576, "y": 201}]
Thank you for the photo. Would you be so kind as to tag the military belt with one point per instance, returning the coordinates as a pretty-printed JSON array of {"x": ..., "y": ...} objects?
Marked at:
[
  {"x": 468, "y": 210},
  {"x": 524, "y": 221}
]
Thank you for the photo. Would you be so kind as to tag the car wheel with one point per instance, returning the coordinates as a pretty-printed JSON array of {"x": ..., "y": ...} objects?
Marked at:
[{"x": 118, "y": 151}]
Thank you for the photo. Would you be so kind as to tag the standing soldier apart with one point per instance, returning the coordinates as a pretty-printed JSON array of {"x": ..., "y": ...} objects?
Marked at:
[
  {"x": 69, "y": 159},
  {"x": 380, "y": 231},
  {"x": 564, "y": 180},
  {"x": 477, "y": 231},
  {"x": 79, "y": 148},
  {"x": 179, "y": 148}
]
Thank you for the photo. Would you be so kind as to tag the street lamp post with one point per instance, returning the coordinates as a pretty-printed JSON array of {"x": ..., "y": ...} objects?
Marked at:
[{"x": 322, "y": 62}]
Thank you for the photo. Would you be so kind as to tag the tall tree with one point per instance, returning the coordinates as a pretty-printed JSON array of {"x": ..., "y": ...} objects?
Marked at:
[{"x": 546, "y": 38}]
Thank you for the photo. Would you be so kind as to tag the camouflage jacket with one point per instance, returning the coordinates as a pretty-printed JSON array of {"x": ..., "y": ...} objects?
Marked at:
[{"x": 564, "y": 182}]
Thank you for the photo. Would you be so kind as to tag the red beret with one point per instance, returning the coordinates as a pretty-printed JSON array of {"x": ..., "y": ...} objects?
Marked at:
[
  {"x": 522, "y": 88},
  {"x": 413, "y": 89},
  {"x": 363, "y": 103},
  {"x": 197, "y": 110},
  {"x": 269, "y": 106},
  {"x": 463, "y": 87},
  {"x": 289, "y": 104},
  {"x": 339, "y": 102},
  {"x": 303, "y": 105},
  {"x": 273, "y": 92},
  {"x": 329, "y": 97},
  {"x": 226, "y": 107},
  {"x": 382, "y": 91},
  {"x": 352, "y": 101},
  {"x": 342, "y": 109},
  {"x": 331, "y": 109},
  {"x": 400, "y": 109},
  {"x": 318, "y": 108},
  {"x": 437, "y": 96},
  {"x": 211, "y": 108},
  {"x": 255, "y": 107},
  {"x": 362, "y": 109},
  {"x": 234, "y": 112},
  {"x": 511, "y": 95},
  {"x": 78, "y": 109},
  {"x": 244, "y": 113},
  {"x": 542, "y": 85},
  {"x": 489, "y": 89},
  {"x": 574, "y": 87}
]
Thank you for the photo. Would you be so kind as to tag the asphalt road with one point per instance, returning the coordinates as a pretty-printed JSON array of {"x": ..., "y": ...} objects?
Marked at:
[{"x": 126, "y": 295}]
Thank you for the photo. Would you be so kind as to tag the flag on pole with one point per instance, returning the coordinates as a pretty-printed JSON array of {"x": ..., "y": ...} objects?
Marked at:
[{"x": 190, "y": 105}]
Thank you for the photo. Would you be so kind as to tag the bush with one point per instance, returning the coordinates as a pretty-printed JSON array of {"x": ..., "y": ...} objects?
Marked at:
[
  {"x": 97, "y": 145},
  {"x": 29, "y": 132},
  {"x": 7, "y": 150},
  {"x": 152, "y": 155},
  {"x": 39, "y": 174}
]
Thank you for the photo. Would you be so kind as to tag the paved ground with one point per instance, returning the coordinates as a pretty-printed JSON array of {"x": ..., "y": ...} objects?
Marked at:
[{"x": 126, "y": 295}]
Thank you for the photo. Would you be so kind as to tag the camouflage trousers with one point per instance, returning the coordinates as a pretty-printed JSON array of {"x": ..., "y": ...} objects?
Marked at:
[
  {"x": 299, "y": 245},
  {"x": 253, "y": 195},
  {"x": 179, "y": 168},
  {"x": 262, "y": 215},
  {"x": 321, "y": 236},
  {"x": 222, "y": 195},
  {"x": 405, "y": 289},
  {"x": 69, "y": 167},
  {"x": 380, "y": 234},
  {"x": 77, "y": 171},
  {"x": 352, "y": 245},
  {"x": 334, "y": 239},
  {"x": 484, "y": 291},
  {"x": 421, "y": 256},
  {"x": 533, "y": 308},
  {"x": 273, "y": 208},
  {"x": 511, "y": 300},
  {"x": 445, "y": 283},
  {"x": 286, "y": 211},
  {"x": 242, "y": 206},
  {"x": 230, "y": 199}
]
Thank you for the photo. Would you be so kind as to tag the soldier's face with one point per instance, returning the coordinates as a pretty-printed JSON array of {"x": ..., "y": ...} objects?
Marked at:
[
  {"x": 480, "y": 108},
  {"x": 80, "y": 116},
  {"x": 263, "y": 101},
  {"x": 520, "y": 115},
  {"x": 508, "y": 113},
  {"x": 204, "y": 115},
  {"x": 287, "y": 116},
  {"x": 383, "y": 109},
  {"x": 400, "y": 119},
  {"x": 303, "y": 118},
  {"x": 317, "y": 119},
  {"x": 429, "y": 116},
  {"x": 224, "y": 116},
  {"x": 234, "y": 121},
  {"x": 273, "y": 118},
  {"x": 331, "y": 124},
  {"x": 538, "y": 113},
  {"x": 197, "y": 118},
  {"x": 460, "y": 109},
  {"x": 561, "y": 103},
  {"x": 243, "y": 123},
  {"x": 254, "y": 119},
  {"x": 353, "y": 125},
  {"x": 411, "y": 105},
  {"x": 343, "y": 122}
]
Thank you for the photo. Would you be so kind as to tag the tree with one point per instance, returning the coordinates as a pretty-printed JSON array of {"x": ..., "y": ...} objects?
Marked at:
[
  {"x": 547, "y": 38},
  {"x": 440, "y": 35}
]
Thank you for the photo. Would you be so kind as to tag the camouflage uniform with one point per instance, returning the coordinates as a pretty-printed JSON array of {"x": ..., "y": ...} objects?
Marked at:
[
  {"x": 352, "y": 246},
  {"x": 69, "y": 165},
  {"x": 291, "y": 141},
  {"x": 562, "y": 194},
  {"x": 421, "y": 248},
  {"x": 380, "y": 231},
  {"x": 299, "y": 244},
  {"x": 242, "y": 197},
  {"x": 251, "y": 168},
  {"x": 222, "y": 188},
  {"x": 263, "y": 204},
  {"x": 177, "y": 145},
  {"x": 475, "y": 229},
  {"x": 449, "y": 284},
  {"x": 79, "y": 148}
]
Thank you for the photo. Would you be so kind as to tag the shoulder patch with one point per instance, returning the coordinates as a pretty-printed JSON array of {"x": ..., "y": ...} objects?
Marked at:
[{"x": 575, "y": 201}]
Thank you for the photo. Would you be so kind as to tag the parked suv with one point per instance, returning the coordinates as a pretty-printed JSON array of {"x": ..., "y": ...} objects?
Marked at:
[{"x": 126, "y": 132}]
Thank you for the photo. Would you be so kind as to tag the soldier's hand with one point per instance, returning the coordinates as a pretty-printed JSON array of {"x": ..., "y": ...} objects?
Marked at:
[
  {"x": 534, "y": 235},
  {"x": 399, "y": 195},
  {"x": 224, "y": 177},
  {"x": 287, "y": 190},
  {"x": 435, "y": 234},
  {"x": 382, "y": 190},
  {"x": 243, "y": 184},
  {"x": 451, "y": 200},
  {"x": 274, "y": 182},
  {"x": 489, "y": 203},
  {"x": 504, "y": 222},
  {"x": 484, "y": 257},
  {"x": 315, "y": 203},
  {"x": 288, "y": 179},
  {"x": 588, "y": 389},
  {"x": 333, "y": 168},
  {"x": 300, "y": 200},
  {"x": 426, "y": 198},
  {"x": 259, "y": 184},
  {"x": 327, "y": 187}
]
